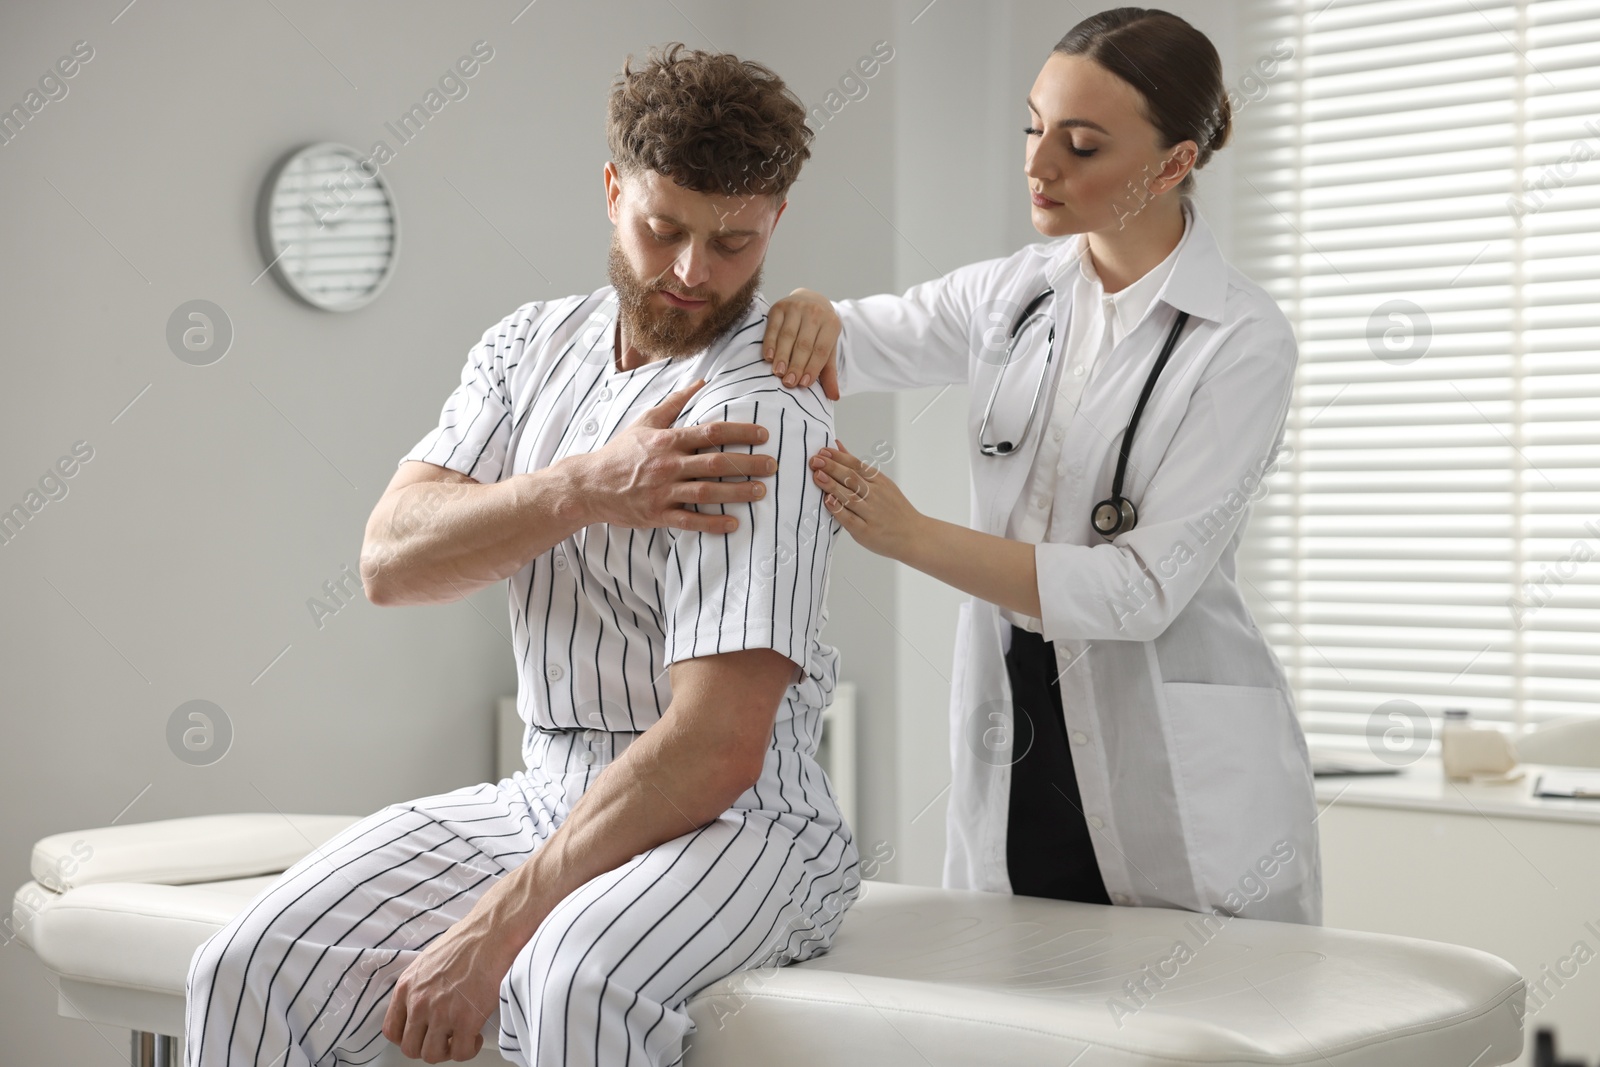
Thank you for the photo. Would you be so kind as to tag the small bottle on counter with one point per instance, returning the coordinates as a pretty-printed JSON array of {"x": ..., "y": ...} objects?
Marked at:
[{"x": 1468, "y": 750}]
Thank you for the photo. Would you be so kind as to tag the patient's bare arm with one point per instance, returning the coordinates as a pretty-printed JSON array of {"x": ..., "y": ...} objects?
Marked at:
[
  {"x": 677, "y": 776},
  {"x": 437, "y": 535}
]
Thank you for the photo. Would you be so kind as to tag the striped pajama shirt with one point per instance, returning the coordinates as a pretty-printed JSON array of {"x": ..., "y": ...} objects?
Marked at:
[{"x": 303, "y": 975}]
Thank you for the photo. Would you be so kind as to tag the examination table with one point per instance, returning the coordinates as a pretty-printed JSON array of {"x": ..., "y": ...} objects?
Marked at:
[{"x": 915, "y": 976}]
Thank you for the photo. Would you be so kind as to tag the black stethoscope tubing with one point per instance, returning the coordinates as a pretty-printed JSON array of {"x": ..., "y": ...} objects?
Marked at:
[{"x": 1115, "y": 514}]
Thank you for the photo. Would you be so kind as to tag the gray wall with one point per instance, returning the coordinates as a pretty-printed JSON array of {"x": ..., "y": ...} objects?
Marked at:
[{"x": 219, "y": 499}]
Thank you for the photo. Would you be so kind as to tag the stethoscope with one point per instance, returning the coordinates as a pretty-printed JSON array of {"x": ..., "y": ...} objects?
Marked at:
[{"x": 1116, "y": 514}]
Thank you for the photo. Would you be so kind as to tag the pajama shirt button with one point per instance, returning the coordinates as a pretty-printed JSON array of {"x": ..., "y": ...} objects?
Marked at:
[
  {"x": 605, "y": 394},
  {"x": 586, "y": 757},
  {"x": 589, "y": 426},
  {"x": 554, "y": 672}
]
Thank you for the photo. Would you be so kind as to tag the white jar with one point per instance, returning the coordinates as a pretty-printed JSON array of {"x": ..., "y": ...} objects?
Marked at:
[{"x": 1468, "y": 750}]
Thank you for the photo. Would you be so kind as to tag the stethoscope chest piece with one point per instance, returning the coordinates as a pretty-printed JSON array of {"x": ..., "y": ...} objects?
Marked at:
[
  {"x": 1116, "y": 514},
  {"x": 1113, "y": 516}
]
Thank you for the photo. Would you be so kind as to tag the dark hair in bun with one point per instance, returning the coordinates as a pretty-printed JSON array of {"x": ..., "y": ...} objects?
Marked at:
[{"x": 1174, "y": 66}]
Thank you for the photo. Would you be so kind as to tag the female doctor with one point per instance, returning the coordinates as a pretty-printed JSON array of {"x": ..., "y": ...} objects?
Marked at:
[{"x": 1121, "y": 732}]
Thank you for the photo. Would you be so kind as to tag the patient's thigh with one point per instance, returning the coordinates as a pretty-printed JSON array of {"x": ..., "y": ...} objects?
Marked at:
[
  {"x": 314, "y": 958},
  {"x": 617, "y": 958}
]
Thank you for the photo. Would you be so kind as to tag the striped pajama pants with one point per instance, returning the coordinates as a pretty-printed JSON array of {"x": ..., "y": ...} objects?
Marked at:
[{"x": 303, "y": 975}]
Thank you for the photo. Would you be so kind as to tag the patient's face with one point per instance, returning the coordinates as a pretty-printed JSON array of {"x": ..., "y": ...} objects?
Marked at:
[
  {"x": 685, "y": 264},
  {"x": 1096, "y": 167}
]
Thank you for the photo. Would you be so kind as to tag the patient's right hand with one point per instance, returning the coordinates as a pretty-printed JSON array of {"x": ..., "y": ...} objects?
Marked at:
[
  {"x": 643, "y": 477},
  {"x": 802, "y": 340}
]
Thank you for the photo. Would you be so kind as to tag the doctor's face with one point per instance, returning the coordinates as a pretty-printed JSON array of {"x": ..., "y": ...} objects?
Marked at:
[
  {"x": 1091, "y": 154},
  {"x": 685, "y": 264}
]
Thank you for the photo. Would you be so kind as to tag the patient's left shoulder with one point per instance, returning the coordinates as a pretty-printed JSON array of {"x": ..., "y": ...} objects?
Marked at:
[{"x": 740, "y": 386}]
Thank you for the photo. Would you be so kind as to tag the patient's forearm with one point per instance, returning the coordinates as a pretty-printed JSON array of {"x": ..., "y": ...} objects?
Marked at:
[
  {"x": 440, "y": 541},
  {"x": 669, "y": 782}
]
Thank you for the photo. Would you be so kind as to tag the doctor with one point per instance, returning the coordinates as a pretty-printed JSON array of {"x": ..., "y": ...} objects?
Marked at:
[{"x": 1121, "y": 732}]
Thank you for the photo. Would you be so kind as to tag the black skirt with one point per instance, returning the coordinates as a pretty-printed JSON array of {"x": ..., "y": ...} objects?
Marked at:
[{"x": 1048, "y": 850}]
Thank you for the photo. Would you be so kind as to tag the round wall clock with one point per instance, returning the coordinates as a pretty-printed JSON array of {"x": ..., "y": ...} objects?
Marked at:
[{"x": 328, "y": 227}]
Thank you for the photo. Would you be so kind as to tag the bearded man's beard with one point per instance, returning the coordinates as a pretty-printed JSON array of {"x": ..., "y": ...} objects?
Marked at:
[{"x": 660, "y": 330}]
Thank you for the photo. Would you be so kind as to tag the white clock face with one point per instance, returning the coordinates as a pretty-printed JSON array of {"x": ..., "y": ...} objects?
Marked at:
[{"x": 329, "y": 228}]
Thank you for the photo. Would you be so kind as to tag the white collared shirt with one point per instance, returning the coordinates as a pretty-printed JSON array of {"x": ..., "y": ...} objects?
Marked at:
[{"x": 1098, "y": 323}]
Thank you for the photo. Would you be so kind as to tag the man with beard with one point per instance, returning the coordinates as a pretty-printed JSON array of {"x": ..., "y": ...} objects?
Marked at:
[{"x": 672, "y": 825}]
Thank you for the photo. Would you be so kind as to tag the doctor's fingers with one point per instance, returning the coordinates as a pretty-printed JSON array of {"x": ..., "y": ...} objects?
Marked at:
[
  {"x": 848, "y": 485},
  {"x": 844, "y": 455},
  {"x": 843, "y": 465},
  {"x": 813, "y": 350},
  {"x": 783, "y": 325},
  {"x": 800, "y": 337}
]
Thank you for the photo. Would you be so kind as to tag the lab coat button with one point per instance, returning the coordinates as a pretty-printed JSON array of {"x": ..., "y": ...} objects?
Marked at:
[
  {"x": 1078, "y": 369},
  {"x": 554, "y": 672},
  {"x": 1119, "y": 898},
  {"x": 1057, "y": 434},
  {"x": 1095, "y": 821},
  {"x": 1079, "y": 737}
]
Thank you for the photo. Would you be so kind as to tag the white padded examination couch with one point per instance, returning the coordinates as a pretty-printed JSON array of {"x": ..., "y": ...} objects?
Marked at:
[{"x": 915, "y": 976}]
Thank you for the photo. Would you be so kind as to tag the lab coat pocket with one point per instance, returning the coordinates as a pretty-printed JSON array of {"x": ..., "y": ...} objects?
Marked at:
[{"x": 1242, "y": 785}]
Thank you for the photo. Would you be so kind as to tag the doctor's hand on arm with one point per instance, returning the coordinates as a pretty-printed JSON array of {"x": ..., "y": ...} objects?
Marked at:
[
  {"x": 802, "y": 340},
  {"x": 874, "y": 511},
  {"x": 437, "y": 536}
]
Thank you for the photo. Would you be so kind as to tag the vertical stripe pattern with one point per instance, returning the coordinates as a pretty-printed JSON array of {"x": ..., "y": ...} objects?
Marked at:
[
  {"x": 302, "y": 976},
  {"x": 597, "y": 619}
]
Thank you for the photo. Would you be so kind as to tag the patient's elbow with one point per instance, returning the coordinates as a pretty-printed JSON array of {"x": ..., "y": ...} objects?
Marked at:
[
  {"x": 737, "y": 768},
  {"x": 378, "y": 572}
]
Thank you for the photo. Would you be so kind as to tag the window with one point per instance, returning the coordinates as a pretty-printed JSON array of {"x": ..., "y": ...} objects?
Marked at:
[{"x": 1418, "y": 186}]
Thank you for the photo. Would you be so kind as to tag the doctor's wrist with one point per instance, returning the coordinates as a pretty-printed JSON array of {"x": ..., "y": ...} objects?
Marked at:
[{"x": 919, "y": 544}]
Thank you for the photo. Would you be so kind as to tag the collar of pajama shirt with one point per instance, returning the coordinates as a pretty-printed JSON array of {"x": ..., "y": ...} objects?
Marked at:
[
  {"x": 1098, "y": 323},
  {"x": 597, "y": 619}
]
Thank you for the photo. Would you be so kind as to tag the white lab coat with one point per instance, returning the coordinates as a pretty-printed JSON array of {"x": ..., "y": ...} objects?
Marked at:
[{"x": 1191, "y": 763}]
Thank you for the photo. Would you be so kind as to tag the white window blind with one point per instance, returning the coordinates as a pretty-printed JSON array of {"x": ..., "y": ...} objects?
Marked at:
[{"x": 1418, "y": 187}]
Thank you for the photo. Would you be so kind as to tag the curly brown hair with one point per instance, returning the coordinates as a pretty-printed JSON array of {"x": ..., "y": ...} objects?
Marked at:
[{"x": 709, "y": 121}]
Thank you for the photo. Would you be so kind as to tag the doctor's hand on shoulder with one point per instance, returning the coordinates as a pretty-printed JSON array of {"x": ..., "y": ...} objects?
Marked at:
[{"x": 801, "y": 341}]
